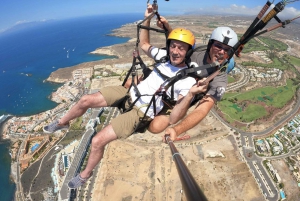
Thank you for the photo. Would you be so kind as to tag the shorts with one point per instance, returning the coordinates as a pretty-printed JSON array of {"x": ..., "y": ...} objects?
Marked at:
[
  {"x": 114, "y": 95},
  {"x": 124, "y": 124}
]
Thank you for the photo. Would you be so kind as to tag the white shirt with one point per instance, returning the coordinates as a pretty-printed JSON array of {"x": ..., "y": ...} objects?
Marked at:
[{"x": 153, "y": 82}]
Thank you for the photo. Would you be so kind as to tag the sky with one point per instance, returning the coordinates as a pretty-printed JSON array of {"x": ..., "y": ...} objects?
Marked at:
[{"x": 13, "y": 12}]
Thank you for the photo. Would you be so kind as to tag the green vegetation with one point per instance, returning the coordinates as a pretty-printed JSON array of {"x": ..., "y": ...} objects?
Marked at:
[
  {"x": 281, "y": 185},
  {"x": 102, "y": 118},
  {"x": 272, "y": 44},
  {"x": 290, "y": 161},
  {"x": 292, "y": 60},
  {"x": 275, "y": 97},
  {"x": 114, "y": 74},
  {"x": 257, "y": 153},
  {"x": 277, "y": 63},
  {"x": 212, "y": 25},
  {"x": 265, "y": 164},
  {"x": 230, "y": 79},
  {"x": 77, "y": 124},
  {"x": 241, "y": 113},
  {"x": 295, "y": 60},
  {"x": 71, "y": 136},
  {"x": 37, "y": 155},
  {"x": 248, "y": 106}
]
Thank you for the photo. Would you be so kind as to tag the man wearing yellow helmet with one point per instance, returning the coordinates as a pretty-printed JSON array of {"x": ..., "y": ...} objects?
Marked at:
[
  {"x": 221, "y": 41},
  {"x": 185, "y": 37}
]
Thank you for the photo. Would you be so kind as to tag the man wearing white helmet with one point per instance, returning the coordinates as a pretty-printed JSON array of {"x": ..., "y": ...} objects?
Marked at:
[{"x": 220, "y": 43}]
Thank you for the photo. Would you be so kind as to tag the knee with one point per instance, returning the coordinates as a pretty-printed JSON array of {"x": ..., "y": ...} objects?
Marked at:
[
  {"x": 154, "y": 130},
  {"x": 84, "y": 101},
  {"x": 156, "y": 127},
  {"x": 97, "y": 142},
  {"x": 159, "y": 124}
]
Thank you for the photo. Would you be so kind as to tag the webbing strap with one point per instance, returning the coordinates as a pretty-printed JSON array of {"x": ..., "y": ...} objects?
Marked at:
[
  {"x": 189, "y": 72},
  {"x": 140, "y": 62},
  {"x": 165, "y": 77}
]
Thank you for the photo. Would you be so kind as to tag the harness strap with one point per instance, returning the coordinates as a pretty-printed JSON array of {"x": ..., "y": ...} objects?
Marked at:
[
  {"x": 165, "y": 77},
  {"x": 172, "y": 92},
  {"x": 134, "y": 85},
  {"x": 189, "y": 72},
  {"x": 136, "y": 56}
]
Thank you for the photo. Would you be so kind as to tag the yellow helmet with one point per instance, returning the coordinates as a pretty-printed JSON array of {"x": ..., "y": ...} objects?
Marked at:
[{"x": 183, "y": 35}]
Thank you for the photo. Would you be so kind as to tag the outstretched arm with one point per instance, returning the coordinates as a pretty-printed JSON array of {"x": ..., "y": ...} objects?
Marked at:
[{"x": 144, "y": 34}]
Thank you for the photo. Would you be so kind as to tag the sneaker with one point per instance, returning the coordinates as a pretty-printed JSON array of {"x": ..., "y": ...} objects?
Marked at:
[
  {"x": 77, "y": 181},
  {"x": 51, "y": 128}
]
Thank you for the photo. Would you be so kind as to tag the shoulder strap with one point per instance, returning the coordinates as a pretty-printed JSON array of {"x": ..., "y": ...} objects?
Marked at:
[{"x": 165, "y": 77}]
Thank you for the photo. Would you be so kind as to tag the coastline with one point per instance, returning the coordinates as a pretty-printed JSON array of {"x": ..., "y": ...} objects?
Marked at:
[
  {"x": 2, "y": 126},
  {"x": 9, "y": 141},
  {"x": 62, "y": 75},
  {"x": 118, "y": 54}
]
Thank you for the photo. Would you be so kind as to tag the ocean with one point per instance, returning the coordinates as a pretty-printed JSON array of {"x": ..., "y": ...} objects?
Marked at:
[
  {"x": 7, "y": 187},
  {"x": 28, "y": 55}
]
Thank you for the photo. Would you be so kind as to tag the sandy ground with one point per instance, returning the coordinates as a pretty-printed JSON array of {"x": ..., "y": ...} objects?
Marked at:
[{"x": 141, "y": 167}]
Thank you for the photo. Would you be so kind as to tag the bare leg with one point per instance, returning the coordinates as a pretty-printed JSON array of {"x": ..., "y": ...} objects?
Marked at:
[
  {"x": 85, "y": 102},
  {"x": 159, "y": 124},
  {"x": 99, "y": 141}
]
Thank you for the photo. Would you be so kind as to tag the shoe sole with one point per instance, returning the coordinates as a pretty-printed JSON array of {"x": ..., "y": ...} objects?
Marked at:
[
  {"x": 48, "y": 132},
  {"x": 71, "y": 188}
]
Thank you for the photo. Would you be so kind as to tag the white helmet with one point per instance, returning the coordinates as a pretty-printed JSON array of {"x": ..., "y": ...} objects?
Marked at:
[{"x": 224, "y": 35}]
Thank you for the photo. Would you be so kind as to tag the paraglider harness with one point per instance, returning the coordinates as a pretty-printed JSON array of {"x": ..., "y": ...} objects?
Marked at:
[{"x": 259, "y": 23}]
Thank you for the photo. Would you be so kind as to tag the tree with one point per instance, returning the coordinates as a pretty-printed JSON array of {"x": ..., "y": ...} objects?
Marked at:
[{"x": 281, "y": 185}]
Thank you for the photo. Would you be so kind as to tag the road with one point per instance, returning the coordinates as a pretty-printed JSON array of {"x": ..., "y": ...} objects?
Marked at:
[{"x": 19, "y": 191}]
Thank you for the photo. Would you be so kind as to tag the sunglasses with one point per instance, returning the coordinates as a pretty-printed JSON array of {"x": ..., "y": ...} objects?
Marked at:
[{"x": 221, "y": 47}]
